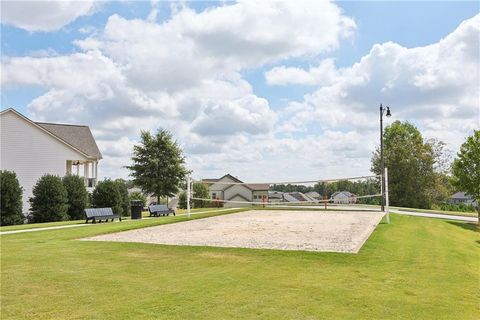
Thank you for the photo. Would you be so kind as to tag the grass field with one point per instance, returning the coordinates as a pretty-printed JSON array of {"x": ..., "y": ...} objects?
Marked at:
[
  {"x": 64, "y": 223},
  {"x": 414, "y": 268}
]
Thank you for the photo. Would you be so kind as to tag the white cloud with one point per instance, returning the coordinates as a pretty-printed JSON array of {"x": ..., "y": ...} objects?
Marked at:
[
  {"x": 182, "y": 74},
  {"x": 435, "y": 87},
  {"x": 44, "y": 15},
  {"x": 324, "y": 74},
  {"x": 185, "y": 75}
]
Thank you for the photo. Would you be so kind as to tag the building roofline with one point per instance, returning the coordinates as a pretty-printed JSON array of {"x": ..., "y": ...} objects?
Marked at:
[
  {"x": 46, "y": 131},
  {"x": 62, "y": 124}
]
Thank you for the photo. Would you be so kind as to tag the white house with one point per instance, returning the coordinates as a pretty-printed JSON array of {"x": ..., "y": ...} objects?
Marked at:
[
  {"x": 232, "y": 189},
  {"x": 32, "y": 149},
  {"x": 344, "y": 197},
  {"x": 461, "y": 198}
]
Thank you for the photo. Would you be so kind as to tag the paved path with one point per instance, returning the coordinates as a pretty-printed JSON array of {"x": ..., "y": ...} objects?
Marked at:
[
  {"x": 435, "y": 215},
  {"x": 91, "y": 224},
  {"x": 392, "y": 210}
]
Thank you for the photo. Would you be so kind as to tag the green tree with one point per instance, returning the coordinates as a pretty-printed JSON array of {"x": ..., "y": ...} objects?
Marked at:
[
  {"x": 123, "y": 190},
  {"x": 466, "y": 168},
  {"x": 410, "y": 162},
  {"x": 10, "y": 199},
  {"x": 200, "y": 190},
  {"x": 182, "y": 200},
  {"x": 77, "y": 196},
  {"x": 138, "y": 196},
  {"x": 442, "y": 188},
  {"x": 107, "y": 195},
  {"x": 49, "y": 201},
  {"x": 158, "y": 164}
]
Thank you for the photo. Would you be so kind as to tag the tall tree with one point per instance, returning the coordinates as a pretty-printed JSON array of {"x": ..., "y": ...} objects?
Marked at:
[
  {"x": 123, "y": 190},
  {"x": 10, "y": 199},
  {"x": 410, "y": 162},
  {"x": 466, "y": 168},
  {"x": 158, "y": 164},
  {"x": 200, "y": 190},
  {"x": 49, "y": 201},
  {"x": 77, "y": 196},
  {"x": 107, "y": 195}
]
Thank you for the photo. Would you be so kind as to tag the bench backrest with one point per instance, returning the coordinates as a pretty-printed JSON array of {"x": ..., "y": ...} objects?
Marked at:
[
  {"x": 158, "y": 208},
  {"x": 98, "y": 212}
]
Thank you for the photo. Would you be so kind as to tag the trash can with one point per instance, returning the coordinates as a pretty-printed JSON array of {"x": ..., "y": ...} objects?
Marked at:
[{"x": 136, "y": 207}]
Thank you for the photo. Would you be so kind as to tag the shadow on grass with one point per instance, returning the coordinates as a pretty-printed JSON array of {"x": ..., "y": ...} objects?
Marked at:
[{"x": 466, "y": 225}]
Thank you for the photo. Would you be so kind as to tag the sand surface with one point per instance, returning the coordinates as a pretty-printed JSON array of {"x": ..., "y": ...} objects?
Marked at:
[{"x": 344, "y": 231}]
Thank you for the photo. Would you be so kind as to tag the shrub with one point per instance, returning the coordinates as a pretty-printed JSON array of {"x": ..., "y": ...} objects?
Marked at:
[
  {"x": 77, "y": 196},
  {"x": 10, "y": 199},
  {"x": 49, "y": 201},
  {"x": 138, "y": 196},
  {"x": 182, "y": 200},
  {"x": 107, "y": 195},
  {"x": 200, "y": 190},
  {"x": 460, "y": 207},
  {"x": 125, "y": 201}
]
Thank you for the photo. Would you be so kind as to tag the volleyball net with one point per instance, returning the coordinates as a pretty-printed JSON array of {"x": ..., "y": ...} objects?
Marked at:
[{"x": 362, "y": 193}]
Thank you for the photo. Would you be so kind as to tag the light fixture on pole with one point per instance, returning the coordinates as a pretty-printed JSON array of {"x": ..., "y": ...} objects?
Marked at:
[{"x": 382, "y": 160}]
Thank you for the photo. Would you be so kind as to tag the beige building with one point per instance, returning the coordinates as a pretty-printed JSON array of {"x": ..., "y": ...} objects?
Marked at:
[
  {"x": 232, "y": 189},
  {"x": 32, "y": 149}
]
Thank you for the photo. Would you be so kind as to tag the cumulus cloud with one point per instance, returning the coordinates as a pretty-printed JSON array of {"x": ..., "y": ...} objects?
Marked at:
[
  {"x": 44, "y": 15},
  {"x": 322, "y": 75},
  {"x": 182, "y": 74},
  {"x": 434, "y": 86}
]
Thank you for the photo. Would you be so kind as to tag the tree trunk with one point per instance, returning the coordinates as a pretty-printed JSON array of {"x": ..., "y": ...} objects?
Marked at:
[{"x": 158, "y": 199}]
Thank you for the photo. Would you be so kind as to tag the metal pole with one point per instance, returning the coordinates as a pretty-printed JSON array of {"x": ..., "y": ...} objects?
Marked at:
[
  {"x": 188, "y": 197},
  {"x": 387, "y": 202},
  {"x": 382, "y": 162}
]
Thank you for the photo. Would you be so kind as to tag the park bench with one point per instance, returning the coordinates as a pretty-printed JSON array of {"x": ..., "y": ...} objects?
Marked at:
[
  {"x": 157, "y": 210},
  {"x": 99, "y": 214}
]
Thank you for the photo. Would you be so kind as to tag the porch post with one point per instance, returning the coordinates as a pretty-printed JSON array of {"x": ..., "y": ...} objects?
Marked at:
[
  {"x": 85, "y": 172},
  {"x": 69, "y": 166},
  {"x": 96, "y": 172}
]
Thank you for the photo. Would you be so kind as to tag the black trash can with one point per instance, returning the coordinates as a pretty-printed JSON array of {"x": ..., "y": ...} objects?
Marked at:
[{"x": 136, "y": 207}]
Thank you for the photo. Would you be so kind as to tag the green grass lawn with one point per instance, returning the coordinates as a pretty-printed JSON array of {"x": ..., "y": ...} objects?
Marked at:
[
  {"x": 63, "y": 223},
  {"x": 414, "y": 268}
]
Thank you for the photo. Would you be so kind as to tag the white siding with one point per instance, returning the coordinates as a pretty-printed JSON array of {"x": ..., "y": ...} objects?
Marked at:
[
  {"x": 236, "y": 204},
  {"x": 221, "y": 186},
  {"x": 238, "y": 189},
  {"x": 260, "y": 195},
  {"x": 30, "y": 152}
]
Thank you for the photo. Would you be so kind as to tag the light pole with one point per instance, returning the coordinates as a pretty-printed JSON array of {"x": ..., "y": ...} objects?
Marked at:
[{"x": 382, "y": 160}]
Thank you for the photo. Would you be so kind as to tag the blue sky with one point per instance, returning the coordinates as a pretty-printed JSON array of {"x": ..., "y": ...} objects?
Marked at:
[
  {"x": 377, "y": 21},
  {"x": 286, "y": 106}
]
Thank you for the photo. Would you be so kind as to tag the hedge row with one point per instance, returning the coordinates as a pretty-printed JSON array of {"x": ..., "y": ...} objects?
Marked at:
[{"x": 56, "y": 199}]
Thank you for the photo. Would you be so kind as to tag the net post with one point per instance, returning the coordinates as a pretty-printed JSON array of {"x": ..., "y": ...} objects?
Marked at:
[
  {"x": 387, "y": 202},
  {"x": 188, "y": 197}
]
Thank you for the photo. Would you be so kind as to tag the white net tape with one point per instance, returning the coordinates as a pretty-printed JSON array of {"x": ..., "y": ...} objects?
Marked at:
[
  {"x": 290, "y": 182},
  {"x": 370, "y": 183}
]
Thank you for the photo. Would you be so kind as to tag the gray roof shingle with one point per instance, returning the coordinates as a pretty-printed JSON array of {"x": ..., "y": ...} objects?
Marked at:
[{"x": 77, "y": 136}]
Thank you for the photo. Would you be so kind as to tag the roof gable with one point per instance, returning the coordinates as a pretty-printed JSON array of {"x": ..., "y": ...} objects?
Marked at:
[{"x": 76, "y": 137}]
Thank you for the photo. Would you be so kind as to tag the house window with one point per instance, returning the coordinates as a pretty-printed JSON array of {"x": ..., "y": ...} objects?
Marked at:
[{"x": 214, "y": 195}]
